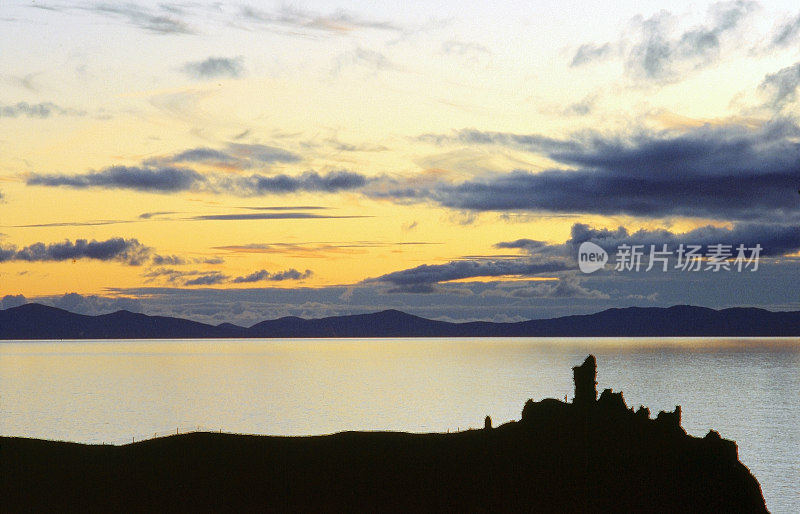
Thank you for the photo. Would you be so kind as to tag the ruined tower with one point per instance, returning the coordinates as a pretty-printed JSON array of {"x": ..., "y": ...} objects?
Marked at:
[{"x": 585, "y": 377}]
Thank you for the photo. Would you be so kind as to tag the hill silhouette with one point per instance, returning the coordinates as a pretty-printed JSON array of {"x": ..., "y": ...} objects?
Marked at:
[
  {"x": 35, "y": 321},
  {"x": 591, "y": 455}
]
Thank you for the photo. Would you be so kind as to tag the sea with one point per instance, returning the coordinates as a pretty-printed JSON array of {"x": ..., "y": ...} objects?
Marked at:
[{"x": 117, "y": 392}]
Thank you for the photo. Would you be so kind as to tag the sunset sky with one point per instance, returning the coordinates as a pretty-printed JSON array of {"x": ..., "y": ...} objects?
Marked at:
[{"x": 246, "y": 161}]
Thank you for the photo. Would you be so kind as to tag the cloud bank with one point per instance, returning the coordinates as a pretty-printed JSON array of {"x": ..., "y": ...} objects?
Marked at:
[
  {"x": 726, "y": 172},
  {"x": 128, "y": 251}
]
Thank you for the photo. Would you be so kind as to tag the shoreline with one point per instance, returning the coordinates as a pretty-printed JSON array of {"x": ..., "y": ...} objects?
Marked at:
[{"x": 594, "y": 454}]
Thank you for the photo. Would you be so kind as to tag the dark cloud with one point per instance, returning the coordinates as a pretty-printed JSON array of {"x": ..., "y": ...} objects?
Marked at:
[
  {"x": 424, "y": 278},
  {"x": 215, "y": 67},
  {"x": 129, "y": 251},
  {"x": 590, "y": 52},
  {"x": 209, "y": 279},
  {"x": 10, "y": 301},
  {"x": 525, "y": 244},
  {"x": 544, "y": 258},
  {"x": 176, "y": 179},
  {"x": 40, "y": 110},
  {"x": 168, "y": 260},
  {"x": 149, "y": 215},
  {"x": 177, "y": 260},
  {"x": 775, "y": 239},
  {"x": 331, "y": 182},
  {"x": 264, "y": 275},
  {"x": 727, "y": 172},
  {"x": 158, "y": 180},
  {"x": 781, "y": 86}
]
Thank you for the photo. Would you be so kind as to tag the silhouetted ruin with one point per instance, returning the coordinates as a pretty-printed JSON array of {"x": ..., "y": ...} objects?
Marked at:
[
  {"x": 487, "y": 423},
  {"x": 585, "y": 377},
  {"x": 670, "y": 419}
]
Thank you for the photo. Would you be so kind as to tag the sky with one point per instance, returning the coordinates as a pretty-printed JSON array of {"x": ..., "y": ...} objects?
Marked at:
[{"x": 235, "y": 162}]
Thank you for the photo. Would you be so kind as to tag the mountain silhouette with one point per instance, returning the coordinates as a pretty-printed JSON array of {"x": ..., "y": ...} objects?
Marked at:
[{"x": 35, "y": 321}]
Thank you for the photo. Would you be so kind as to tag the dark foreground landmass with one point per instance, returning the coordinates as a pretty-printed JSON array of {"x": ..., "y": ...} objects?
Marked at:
[
  {"x": 591, "y": 455},
  {"x": 35, "y": 321}
]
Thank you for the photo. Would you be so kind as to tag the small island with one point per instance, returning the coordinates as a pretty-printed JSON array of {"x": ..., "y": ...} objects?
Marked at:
[{"x": 593, "y": 454}]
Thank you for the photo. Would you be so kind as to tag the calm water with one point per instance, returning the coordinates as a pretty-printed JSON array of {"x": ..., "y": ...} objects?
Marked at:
[{"x": 110, "y": 391}]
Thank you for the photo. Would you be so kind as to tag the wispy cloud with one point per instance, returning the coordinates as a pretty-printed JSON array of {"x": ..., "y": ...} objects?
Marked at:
[
  {"x": 589, "y": 52},
  {"x": 289, "y": 17},
  {"x": 363, "y": 57},
  {"x": 312, "y": 249},
  {"x": 156, "y": 214},
  {"x": 185, "y": 18},
  {"x": 39, "y": 110},
  {"x": 168, "y": 260},
  {"x": 167, "y": 19},
  {"x": 268, "y": 216},
  {"x": 781, "y": 87},
  {"x": 95, "y": 223},
  {"x": 786, "y": 34},
  {"x": 286, "y": 208},
  {"x": 234, "y": 155},
  {"x": 653, "y": 52}
]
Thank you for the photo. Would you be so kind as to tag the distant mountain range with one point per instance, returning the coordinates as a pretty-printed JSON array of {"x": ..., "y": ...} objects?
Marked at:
[{"x": 35, "y": 321}]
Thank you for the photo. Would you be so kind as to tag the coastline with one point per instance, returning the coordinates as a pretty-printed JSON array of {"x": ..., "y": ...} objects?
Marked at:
[{"x": 593, "y": 454}]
